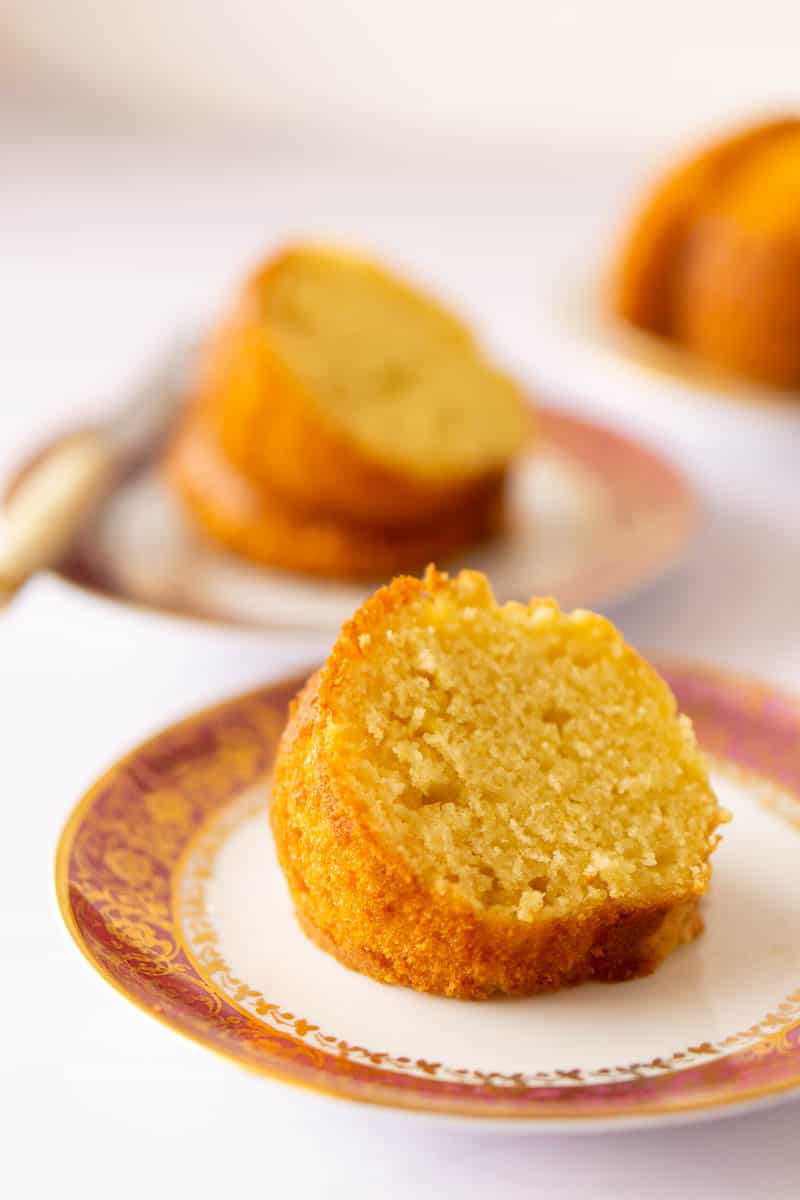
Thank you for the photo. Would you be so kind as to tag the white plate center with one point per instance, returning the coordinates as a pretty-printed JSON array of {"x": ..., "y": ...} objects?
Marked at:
[{"x": 726, "y": 983}]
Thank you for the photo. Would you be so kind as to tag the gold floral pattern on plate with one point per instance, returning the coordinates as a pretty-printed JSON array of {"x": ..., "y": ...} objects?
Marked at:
[{"x": 129, "y": 877}]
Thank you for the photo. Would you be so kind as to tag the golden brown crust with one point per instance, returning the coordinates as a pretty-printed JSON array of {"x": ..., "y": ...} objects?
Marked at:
[
  {"x": 279, "y": 438},
  {"x": 649, "y": 276},
  {"x": 254, "y": 524},
  {"x": 361, "y": 902},
  {"x": 739, "y": 305}
]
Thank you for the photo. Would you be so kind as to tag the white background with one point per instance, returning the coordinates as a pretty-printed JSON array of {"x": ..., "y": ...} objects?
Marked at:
[
  {"x": 521, "y": 73},
  {"x": 113, "y": 238}
]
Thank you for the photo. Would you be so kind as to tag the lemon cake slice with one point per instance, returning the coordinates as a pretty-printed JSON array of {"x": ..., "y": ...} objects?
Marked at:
[
  {"x": 235, "y": 513},
  {"x": 348, "y": 393},
  {"x": 472, "y": 799}
]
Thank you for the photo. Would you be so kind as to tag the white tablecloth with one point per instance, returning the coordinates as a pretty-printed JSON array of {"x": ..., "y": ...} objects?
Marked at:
[{"x": 107, "y": 247}]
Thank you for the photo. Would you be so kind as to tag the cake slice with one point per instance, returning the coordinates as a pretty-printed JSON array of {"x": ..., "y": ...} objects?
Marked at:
[
  {"x": 472, "y": 799},
  {"x": 237, "y": 514},
  {"x": 349, "y": 394}
]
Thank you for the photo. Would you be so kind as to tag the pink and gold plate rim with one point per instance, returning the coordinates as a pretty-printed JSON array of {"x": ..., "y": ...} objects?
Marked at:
[{"x": 124, "y": 847}]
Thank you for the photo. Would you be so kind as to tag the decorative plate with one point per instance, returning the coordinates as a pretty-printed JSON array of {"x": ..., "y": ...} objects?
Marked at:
[
  {"x": 593, "y": 516},
  {"x": 168, "y": 883}
]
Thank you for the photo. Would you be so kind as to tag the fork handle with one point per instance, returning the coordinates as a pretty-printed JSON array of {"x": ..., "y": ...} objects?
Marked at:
[{"x": 49, "y": 505}]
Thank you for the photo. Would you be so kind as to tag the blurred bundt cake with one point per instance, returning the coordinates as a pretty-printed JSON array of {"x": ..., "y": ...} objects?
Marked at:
[{"x": 712, "y": 261}]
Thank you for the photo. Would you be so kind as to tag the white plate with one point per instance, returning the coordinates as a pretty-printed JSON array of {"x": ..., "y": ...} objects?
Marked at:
[
  {"x": 593, "y": 516},
  {"x": 168, "y": 880}
]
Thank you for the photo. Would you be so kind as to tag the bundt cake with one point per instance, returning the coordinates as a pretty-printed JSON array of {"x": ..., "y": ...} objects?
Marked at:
[
  {"x": 349, "y": 394},
  {"x": 472, "y": 799},
  {"x": 712, "y": 261}
]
